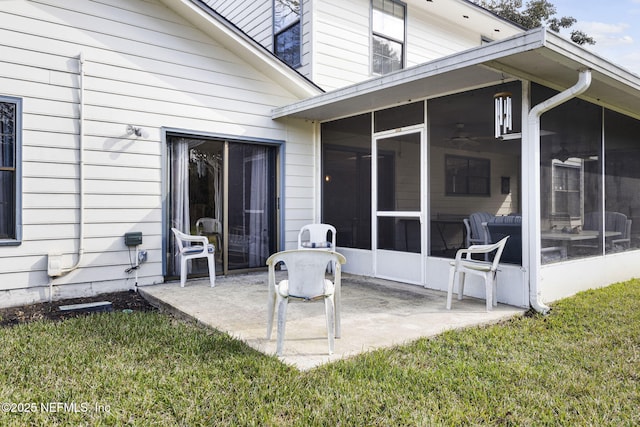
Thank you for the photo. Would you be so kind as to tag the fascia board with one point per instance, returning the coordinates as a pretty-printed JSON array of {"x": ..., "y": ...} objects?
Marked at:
[
  {"x": 538, "y": 55},
  {"x": 473, "y": 57}
]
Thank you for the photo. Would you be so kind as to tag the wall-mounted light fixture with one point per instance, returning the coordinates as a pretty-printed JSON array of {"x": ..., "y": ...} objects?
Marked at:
[
  {"x": 134, "y": 130},
  {"x": 503, "y": 114}
]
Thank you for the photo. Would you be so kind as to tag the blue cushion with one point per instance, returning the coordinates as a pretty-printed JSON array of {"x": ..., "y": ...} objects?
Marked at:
[
  {"x": 197, "y": 249},
  {"x": 316, "y": 244}
]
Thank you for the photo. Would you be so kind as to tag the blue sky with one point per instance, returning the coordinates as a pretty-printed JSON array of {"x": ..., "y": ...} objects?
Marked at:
[{"x": 614, "y": 24}]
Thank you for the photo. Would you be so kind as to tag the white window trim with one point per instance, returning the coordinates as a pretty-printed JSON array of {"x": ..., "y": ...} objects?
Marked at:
[{"x": 18, "y": 173}]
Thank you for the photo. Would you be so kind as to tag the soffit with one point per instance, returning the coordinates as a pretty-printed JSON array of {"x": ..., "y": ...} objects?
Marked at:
[
  {"x": 537, "y": 55},
  {"x": 465, "y": 14}
]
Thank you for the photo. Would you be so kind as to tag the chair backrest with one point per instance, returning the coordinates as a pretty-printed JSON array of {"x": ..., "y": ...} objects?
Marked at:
[
  {"x": 613, "y": 221},
  {"x": 306, "y": 270},
  {"x": 475, "y": 223},
  {"x": 499, "y": 248},
  {"x": 318, "y": 235},
  {"x": 627, "y": 231},
  {"x": 208, "y": 226},
  {"x": 179, "y": 236}
]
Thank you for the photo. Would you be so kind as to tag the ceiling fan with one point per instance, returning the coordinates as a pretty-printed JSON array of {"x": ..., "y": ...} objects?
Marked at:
[{"x": 462, "y": 139}]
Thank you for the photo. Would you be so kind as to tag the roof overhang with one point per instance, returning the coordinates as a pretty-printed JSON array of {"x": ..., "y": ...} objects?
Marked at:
[
  {"x": 222, "y": 31},
  {"x": 538, "y": 55}
]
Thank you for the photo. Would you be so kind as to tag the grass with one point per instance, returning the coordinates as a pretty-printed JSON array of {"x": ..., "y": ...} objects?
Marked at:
[{"x": 580, "y": 365}]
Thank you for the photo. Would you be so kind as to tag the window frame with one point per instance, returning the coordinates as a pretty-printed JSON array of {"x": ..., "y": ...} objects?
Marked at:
[
  {"x": 284, "y": 30},
  {"x": 16, "y": 239},
  {"x": 467, "y": 193},
  {"x": 374, "y": 34}
]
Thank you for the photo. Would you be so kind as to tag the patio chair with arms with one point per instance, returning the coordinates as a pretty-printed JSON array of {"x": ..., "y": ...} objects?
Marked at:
[
  {"x": 624, "y": 239},
  {"x": 476, "y": 232},
  {"x": 306, "y": 282},
  {"x": 464, "y": 264},
  {"x": 188, "y": 251}
]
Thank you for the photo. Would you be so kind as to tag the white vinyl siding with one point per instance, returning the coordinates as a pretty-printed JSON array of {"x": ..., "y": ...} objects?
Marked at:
[
  {"x": 430, "y": 37},
  {"x": 145, "y": 66},
  {"x": 253, "y": 17},
  {"x": 342, "y": 53},
  {"x": 342, "y": 43}
]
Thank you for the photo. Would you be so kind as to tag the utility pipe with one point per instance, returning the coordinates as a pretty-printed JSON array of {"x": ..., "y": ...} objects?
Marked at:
[
  {"x": 533, "y": 127},
  {"x": 64, "y": 271},
  {"x": 80, "y": 173}
]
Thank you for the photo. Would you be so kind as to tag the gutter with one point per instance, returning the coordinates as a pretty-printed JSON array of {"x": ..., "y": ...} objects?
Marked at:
[{"x": 533, "y": 127}]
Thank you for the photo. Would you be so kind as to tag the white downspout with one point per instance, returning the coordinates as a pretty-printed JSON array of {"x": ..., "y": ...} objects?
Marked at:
[
  {"x": 80, "y": 173},
  {"x": 533, "y": 127},
  {"x": 54, "y": 267}
]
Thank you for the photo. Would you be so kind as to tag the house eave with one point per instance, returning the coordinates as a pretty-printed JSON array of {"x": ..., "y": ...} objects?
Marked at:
[{"x": 538, "y": 55}]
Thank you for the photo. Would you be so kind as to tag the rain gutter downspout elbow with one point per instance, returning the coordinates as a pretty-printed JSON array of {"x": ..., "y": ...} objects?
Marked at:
[{"x": 533, "y": 125}]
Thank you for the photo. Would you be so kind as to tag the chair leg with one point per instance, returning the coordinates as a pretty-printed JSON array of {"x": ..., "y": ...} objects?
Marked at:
[
  {"x": 271, "y": 306},
  {"x": 488, "y": 283},
  {"x": 452, "y": 275},
  {"x": 337, "y": 307},
  {"x": 330, "y": 315},
  {"x": 282, "y": 321},
  {"x": 212, "y": 270},
  {"x": 183, "y": 271},
  {"x": 461, "y": 277}
]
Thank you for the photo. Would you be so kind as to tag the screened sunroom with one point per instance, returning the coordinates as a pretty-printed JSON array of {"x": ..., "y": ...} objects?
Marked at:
[{"x": 530, "y": 137}]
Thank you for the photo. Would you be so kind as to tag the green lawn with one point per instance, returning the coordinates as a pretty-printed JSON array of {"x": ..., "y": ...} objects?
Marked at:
[{"x": 580, "y": 365}]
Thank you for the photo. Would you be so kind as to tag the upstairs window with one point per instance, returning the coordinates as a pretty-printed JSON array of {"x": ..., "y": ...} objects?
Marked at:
[
  {"x": 10, "y": 115},
  {"x": 388, "y": 36},
  {"x": 286, "y": 31}
]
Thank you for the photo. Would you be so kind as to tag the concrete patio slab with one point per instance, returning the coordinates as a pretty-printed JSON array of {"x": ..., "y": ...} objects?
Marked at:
[{"x": 375, "y": 314}]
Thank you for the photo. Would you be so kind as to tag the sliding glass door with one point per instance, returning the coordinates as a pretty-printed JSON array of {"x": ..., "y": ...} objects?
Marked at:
[{"x": 225, "y": 190}]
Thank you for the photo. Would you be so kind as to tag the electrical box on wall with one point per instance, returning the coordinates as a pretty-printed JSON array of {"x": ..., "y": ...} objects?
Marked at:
[{"x": 133, "y": 239}]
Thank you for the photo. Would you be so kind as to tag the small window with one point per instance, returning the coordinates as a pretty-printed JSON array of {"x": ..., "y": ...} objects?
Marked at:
[
  {"x": 467, "y": 176},
  {"x": 286, "y": 30},
  {"x": 388, "y": 36},
  {"x": 10, "y": 132}
]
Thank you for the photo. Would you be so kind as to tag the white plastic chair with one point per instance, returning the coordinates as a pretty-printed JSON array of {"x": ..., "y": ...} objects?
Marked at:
[
  {"x": 318, "y": 238},
  {"x": 318, "y": 234},
  {"x": 464, "y": 264},
  {"x": 188, "y": 251},
  {"x": 306, "y": 281}
]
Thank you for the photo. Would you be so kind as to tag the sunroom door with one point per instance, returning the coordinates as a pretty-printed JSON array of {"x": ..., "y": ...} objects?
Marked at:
[{"x": 398, "y": 232}]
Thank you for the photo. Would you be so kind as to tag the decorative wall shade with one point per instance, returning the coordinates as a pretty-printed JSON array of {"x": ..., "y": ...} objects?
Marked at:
[{"x": 503, "y": 114}]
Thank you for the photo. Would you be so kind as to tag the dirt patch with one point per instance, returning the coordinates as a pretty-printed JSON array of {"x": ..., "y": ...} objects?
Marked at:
[{"x": 51, "y": 311}]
